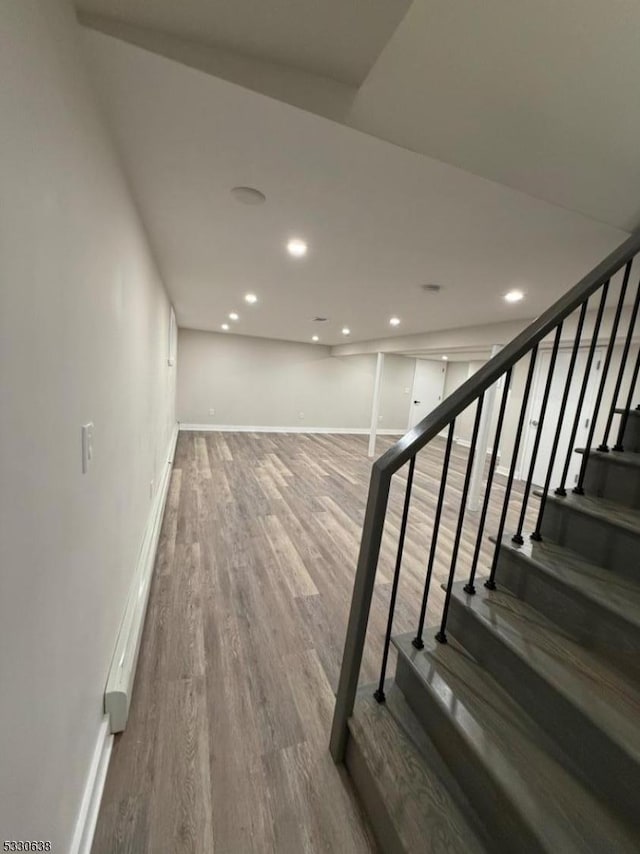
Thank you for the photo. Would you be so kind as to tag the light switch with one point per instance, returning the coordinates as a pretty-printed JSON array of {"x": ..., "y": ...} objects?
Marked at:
[{"x": 87, "y": 446}]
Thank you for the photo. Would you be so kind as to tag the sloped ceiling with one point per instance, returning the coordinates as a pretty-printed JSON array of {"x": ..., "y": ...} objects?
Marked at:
[
  {"x": 339, "y": 39},
  {"x": 380, "y": 220},
  {"x": 539, "y": 95}
]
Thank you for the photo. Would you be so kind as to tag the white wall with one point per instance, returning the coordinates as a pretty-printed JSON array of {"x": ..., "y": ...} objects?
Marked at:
[
  {"x": 265, "y": 383},
  {"x": 458, "y": 372},
  {"x": 83, "y": 336}
]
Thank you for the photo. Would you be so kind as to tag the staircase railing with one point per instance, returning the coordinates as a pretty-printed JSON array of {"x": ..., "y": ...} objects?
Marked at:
[{"x": 595, "y": 288}]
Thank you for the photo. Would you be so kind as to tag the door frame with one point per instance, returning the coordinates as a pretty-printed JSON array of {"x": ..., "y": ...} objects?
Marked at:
[
  {"x": 413, "y": 388},
  {"x": 529, "y": 432}
]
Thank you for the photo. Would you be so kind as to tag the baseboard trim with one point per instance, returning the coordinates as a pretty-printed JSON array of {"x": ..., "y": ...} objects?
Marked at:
[
  {"x": 465, "y": 443},
  {"x": 241, "y": 428},
  {"x": 92, "y": 796},
  {"x": 119, "y": 687},
  {"x": 504, "y": 470}
]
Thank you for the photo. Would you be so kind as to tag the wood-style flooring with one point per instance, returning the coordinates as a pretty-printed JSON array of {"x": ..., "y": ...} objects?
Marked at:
[{"x": 226, "y": 746}]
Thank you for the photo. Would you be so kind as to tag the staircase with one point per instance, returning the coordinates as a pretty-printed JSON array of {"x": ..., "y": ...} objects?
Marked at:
[{"x": 514, "y": 724}]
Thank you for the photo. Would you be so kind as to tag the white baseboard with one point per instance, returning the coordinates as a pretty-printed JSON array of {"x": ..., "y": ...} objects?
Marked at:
[
  {"x": 504, "y": 470},
  {"x": 119, "y": 687},
  {"x": 92, "y": 796},
  {"x": 241, "y": 428},
  {"x": 465, "y": 443}
]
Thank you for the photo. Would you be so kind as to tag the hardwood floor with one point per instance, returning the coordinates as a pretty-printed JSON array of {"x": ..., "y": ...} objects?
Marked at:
[{"x": 226, "y": 745}]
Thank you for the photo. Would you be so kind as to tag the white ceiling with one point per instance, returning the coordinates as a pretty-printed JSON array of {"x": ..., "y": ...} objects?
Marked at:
[
  {"x": 380, "y": 220},
  {"x": 540, "y": 95},
  {"x": 336, "y": 38}
]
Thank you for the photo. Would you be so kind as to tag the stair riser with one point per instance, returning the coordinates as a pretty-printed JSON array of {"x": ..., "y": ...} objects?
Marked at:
[
  {"x": 616, "y": 482},
  {"x": 585, "y": 619},
  {"x": 604, "y": 765},
  {"x": 631, "y": 439},
  {"x": 500, "y": 817},
  {"x": 364, "y": 782},
  {"x": 598, "y": 540}
]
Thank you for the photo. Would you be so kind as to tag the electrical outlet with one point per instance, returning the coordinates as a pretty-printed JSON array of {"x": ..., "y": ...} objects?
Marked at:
[
  {"x": 87, "y": 446},
  {"x": 301, "y": 415},
  {"x": 212, "y": 411},
  {"x": 379, "y": 417},
  {"x": 407, "y": 390}
]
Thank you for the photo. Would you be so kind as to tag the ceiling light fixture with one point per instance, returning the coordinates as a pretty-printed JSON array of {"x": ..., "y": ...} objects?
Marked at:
[
  {"x": 297, "y": 248},
  {"x": 234, "y": 316},
  {"x": 394, "y": 321},
  {"x": 514, "y": 296},
  {"x": 251, "y": 298},
  {"x": 315, "y": 338},
  {"x": 248, "y": 195},
  {"x": 445, "y": 358},
  {"x": 225, "y": 326},
  {"x": 346, "y": 331}
]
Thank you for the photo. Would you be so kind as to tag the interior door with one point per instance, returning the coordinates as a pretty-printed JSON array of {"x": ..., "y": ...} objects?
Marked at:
[
  {"x": 553, "y": 413},
  {"x": 428, "y": 388}
]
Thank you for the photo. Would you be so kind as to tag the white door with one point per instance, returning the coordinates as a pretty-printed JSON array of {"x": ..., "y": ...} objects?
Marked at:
[
  {"x": 428, "y": 388},
  {"x": 553, "y": 412}
]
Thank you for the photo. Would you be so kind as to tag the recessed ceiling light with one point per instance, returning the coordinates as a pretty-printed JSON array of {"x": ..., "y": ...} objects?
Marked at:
[
  {"x": 225, "y": 326},
  {"x": 248, "y": 195},
  {"x": 251, "y": 298},
  {"x": 445, "y": 358},
  {"x": 315, "y": 338},
  {"x": 346, "y": 331},
  {"x": 394, "y": 321},
  {"x": 234, "y": 316},
  {"x": 297, "y": 247},
  {"x": 514, "y": 296}
]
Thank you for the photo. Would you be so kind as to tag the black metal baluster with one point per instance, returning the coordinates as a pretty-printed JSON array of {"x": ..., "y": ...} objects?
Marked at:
[
  {"x": 490, "y": 583},
  {"x": 583, "y": 389},
  {"x": 517, "y": 537},
  {"x": 441, "y": 637},
  {"x": 417, "y": 641},
  {"x": 625, "y": 415},
  {"x": 379, "y": 693},
  {"x": 470, "y": 586},
  {"x": 536, "y": 535},
  {"x": 623, "y": 364},
  {"x": 579, "y": 488}
]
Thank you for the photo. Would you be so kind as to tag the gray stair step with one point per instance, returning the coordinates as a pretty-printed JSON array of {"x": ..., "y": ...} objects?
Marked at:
[
  {"x": 507, "y": 765},
  {"x": 614, "y": 476},
  {"x": 599, "y": 608},
  {"x": 591, "y": 710},
  {"x": 602, "y": 531},
  {"x": 631, "y": 439},
  {"x": 412, "y": 802}
]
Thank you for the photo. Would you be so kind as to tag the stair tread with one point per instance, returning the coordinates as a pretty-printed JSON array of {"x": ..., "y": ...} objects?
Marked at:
[
  {"x": 599, "y": 508},
  {"x": 616, "y": 592},
  {"x": 602, "y": 694},
  {"x": 409, "y": 774},
  {"x": 562, "y": 813},
  {"x": 630, "y": 459}
]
